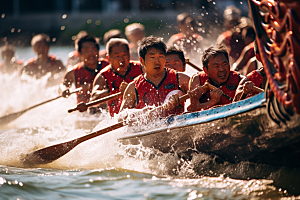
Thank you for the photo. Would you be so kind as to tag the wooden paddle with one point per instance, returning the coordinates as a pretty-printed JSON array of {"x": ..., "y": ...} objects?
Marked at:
[
  {"x": 211, "y": 87},
  {"x": 54, "y": 152},
  {"x": 187, "y": 61},
  {"x": 11, "y": 117},
  {"x": 83, "y": 106}
]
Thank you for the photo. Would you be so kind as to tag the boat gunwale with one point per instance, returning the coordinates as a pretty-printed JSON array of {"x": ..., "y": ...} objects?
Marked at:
[{"x": 210, "y": 115}]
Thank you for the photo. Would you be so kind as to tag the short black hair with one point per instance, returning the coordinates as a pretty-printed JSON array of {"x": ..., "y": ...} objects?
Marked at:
[
  {"x": 113, "y": 33},
  {"x": 116, "y": 42},
  {"x": 87, "y": 38},
  {"x": 40, "y": 37},
  {"x": 148, "y": 42},
  {"x": 213, "y": 51},
  {"x": 175, "y": 50}
]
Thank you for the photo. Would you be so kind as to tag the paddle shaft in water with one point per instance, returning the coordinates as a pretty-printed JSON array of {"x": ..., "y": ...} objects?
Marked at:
[
  {"x": 10, "y": 117},
  {"x": 54, "y": 152},
  {"x": 98, "y": 101}
]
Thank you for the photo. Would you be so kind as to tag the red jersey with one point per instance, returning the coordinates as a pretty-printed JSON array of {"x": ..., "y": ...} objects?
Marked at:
[
  {"x": 114, "y": 80},
  {"x": 228, "y": 88},
  {"x": 148, "y": 94},
  {"x": 256, "y": 77},
  {"x": 85, "y": 76},
  {"x": 234, "y": 41}
]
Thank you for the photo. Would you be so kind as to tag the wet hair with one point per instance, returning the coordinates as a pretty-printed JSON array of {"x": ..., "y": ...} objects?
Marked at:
[
  {"x": 213, "y": 51},
  {"x": 134, "y": 27},
  {"x": 87, "y": 38},
  {"x": 182, "y": 17},
  {"x": 40, "y": 38},
  {"x": 113, "y": 33},
  {"x": 116, "y": 42},
  {"x": 256, "y": 50},
  {"x": 175, "y": 50},
  {"x": 148, "y": 42},
  {"x": 78, "y": 36},
  {"x": 186, "y": 17}
]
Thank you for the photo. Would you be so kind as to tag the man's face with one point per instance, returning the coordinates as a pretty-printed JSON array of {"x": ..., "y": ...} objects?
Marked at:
[
  {"x": 218, "y": 69},
  {"x": 154, "y": 62},
  {"x": 119, "y": 58},
  {"x": 89, "y": 53},
  {"x": 174, "y": 62},
  {"x": 41, "y": 48}
]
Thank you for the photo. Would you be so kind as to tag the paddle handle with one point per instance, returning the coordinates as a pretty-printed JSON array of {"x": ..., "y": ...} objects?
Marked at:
[
  {"x": 193, "y": 65},
  {"x": 98, "y": 101},
  {"x": 211, "y": 87}
]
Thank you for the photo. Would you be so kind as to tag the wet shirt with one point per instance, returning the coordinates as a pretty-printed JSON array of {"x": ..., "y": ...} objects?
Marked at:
[
  {"x": 148, "y": 94},
  {"x": 228, "y": 88},
  {"x": 114, "y": 80},
  {"x": 85, "y": 76}
]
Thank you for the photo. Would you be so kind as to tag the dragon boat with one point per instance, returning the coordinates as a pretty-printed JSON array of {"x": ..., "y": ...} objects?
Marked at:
[{"x": 262, "y": 129}]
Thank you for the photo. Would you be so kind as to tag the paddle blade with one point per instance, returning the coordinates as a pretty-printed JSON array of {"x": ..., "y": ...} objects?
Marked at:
[
  {"x": 10, "y": 117},
  {"x": 48, "y": 154}
]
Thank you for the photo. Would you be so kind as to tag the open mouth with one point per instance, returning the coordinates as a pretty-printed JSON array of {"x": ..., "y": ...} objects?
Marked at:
[
  {"x": 222, "y": 75},
  {"x": 157, "y": 66}
]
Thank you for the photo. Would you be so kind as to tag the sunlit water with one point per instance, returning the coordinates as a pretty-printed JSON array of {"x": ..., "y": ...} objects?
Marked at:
[{"x": 100, "y": 168}]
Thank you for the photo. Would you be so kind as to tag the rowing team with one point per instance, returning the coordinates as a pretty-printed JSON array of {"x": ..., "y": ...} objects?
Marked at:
[{"x": 159, "y": 73}]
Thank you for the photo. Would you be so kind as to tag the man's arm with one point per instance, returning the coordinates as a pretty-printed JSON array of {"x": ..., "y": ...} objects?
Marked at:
[
  {"x": 196, "y": 92},
  {"x": 100, "y": 89},
  {"x": 245, "y": 87},
  {"x": 129, "y": 97},
  {"x": 67, "y": 82},
  {"x": 183, "y": 82}
]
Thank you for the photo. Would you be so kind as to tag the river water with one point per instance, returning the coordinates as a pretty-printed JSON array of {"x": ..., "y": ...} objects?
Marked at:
[{"x": 99, "y": 168}]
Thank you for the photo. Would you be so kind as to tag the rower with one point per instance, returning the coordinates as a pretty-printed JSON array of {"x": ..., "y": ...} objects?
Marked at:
[
  {"x": 248, "y": 51},
  {"x": 175, "y": 59},
  {"x": 188, "y": 39},
  {"x": 121, "y": 69},
  {"x": 113, "y": 33},
  {"x": 152, "y": 87},
  {"x": 216, "y": 71},
  {"x": 83, "y": 73},
  {"x": 232, "y": 37},
  {"x": 44, "y": 63},
  {"x": 74, "y": 56},
  {"x": 255, "y": 78},
  {"x": 10, "y": 64},
  {"x": 134, "y": 33}
]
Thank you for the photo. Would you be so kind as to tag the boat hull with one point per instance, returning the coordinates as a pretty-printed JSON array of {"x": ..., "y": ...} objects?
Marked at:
[{"x": 238, "y": 132}]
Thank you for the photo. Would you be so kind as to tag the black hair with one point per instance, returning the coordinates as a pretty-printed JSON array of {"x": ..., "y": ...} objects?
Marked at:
[
  {"x": 113, "y": 33},
  {"x": 148, "y": 42},
  {"x": 40, "y": 37},
  {"x": 87, "y": 38},
  {"x": 175, "y": 50},
  {"x": 213, "y": 51},
  {"x": 116, "y": 42}
]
